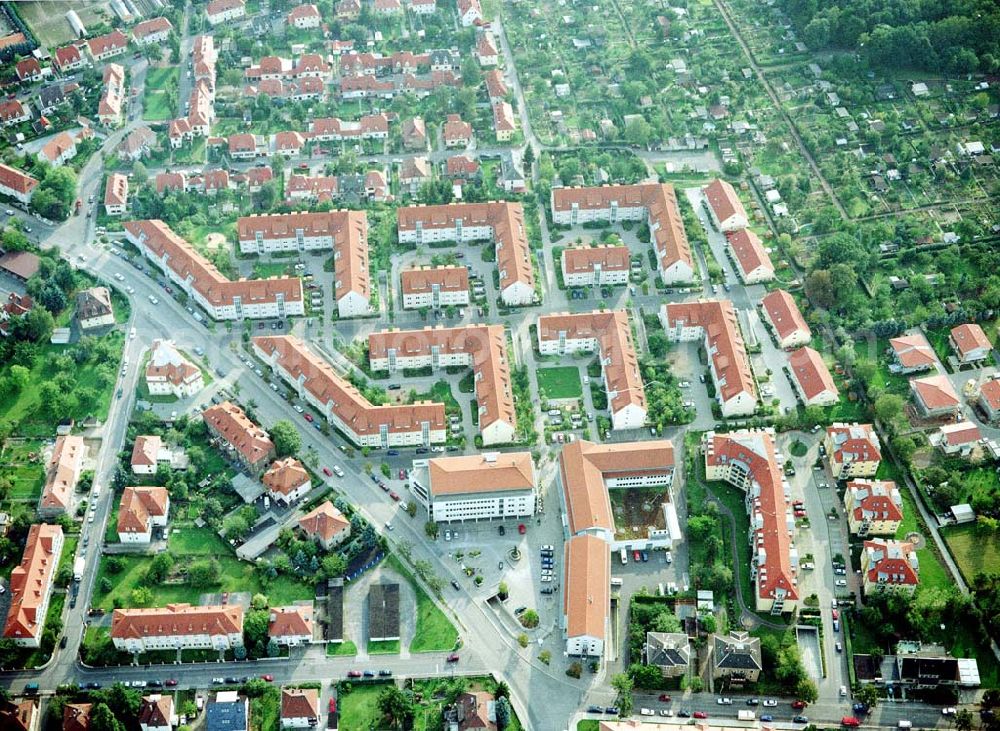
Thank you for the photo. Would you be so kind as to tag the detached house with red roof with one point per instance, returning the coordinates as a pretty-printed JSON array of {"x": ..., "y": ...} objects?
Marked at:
[
  {"x": 486, "y": 49},
  {"x": 17, "y": 185},
  {"x": 116, "y": 195},
  {"x": 853, "y": 450},
  {"x": 748, "y": 460},
  {"x": 141, "y": 510},
  {"x": 157, "y": 713},
  {"x": 221, "y": 11},
  {"x": 457, "y": 133},
  {"x": 61, "y": 475},
  {"x": 888, "y": 565},
  {"x": 107, "y": 46},
  {"x": 326, "y": 525},
  {"x": 724, "y": 206},
  {"x": 934, "y": 396},
  {"x": 787, "y": 324},
  {"x": 299, "y": 708},
  {"x": 169, "y": 373},
  {"x": 31, "y": 584},
  {"x": 176, "y": 627},
  {"x": 989, "y": 399},
  {"x": 13, "y": 112},
  {"x": 874, "y": 507},
  {"x": 59, "y": 150},
  {"x": 414, "y": 133},
  {"x": 287, "y": 480},
  {"x": 911, "y": 354},
  {"x": 957, "y": 439},
  {"x": 504, "y": 124},
  {"x": 291, "y": 626},
  {"x": 68, "y": 58},
  {"x": 811, "y": 378},
  {"x": 970, "y": 343},
  {"x": 28, "y": 70},
  {"x": 249, "y": 443},
  {"x": 147, "y": 453},
  {"x": 304, "y": 16},
  {"x": 154, "y": 30},
  {"x": 469, "y": 13}
]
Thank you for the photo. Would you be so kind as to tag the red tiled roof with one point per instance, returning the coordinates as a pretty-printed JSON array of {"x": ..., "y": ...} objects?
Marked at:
[
  {"x": 875, "y": 500},
  {"x": 236, "y": 428},
  {"x": 854, "y": 443},
  {"x": 585, "y": 258},
  {"x": 990, "y": 393},
  {"x": 16, "y": 180},
  {"x": 809, "y": 370},
  {"x": 587, "y": 586},
  {"x": 177, "y": 620},
  {"x": 151, "y": 26},
  {"x": 913, "y": 351},
  {"x": 722, "y": 197},
  {"x": 290, "y": 621},
  {"x": 892, "y": 563},
  {"x": 423, "y": 279},
  {"x": 784, "y": 314},
  {"x": 969, "y": 337},
  {"x": 299, "y": 703},
  {"x": 145, "y": 449},
  {"x": 748, "y": 251},
  {"x": 936, "y": 392},
  {"x": 324, "y": 521},
  {"x": 139, "y": 505},
  {"x": 30, "y": 581},
  {"x": 284, "y": 476}
]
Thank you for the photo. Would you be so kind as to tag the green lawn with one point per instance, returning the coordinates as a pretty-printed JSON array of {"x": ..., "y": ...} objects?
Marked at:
[
  {"x": 271, "y": 269},
  {"x": 265, "y": 710},
  {"x": 561, "y": 382},
  {"x": 158, "y": 104},
  {"x": 440, "y": 393},
  {"x": 188, "y": 545},
  {"x": 588, "y": 724},
  {"x": 345, "y": 648},
  {"x": 974, "y": 549},
  {"x": 434, "y": 631},
  {"x": 359, "y": 707},
  {"x": 383, "y": 647}
]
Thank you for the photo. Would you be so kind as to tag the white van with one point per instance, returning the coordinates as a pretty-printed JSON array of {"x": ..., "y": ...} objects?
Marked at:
[
  {"x": 903, "y": 723},
  {"x": 624, "y": 555}
]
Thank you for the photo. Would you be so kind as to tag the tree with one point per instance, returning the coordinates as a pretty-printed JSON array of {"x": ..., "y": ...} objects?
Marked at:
[
  {"x": 396, "y": 706},
  {"x": 19, "y": 377},
  {"x": 102, "y": 719},
  {"x": 160, "y": 567},
  {"x": 333, "y": 566},
  {"x": 273, "y": 648},
  {"x": 622, "y": 685},
  {"x": 204, "y": 573},
  {"x": 529, "y": 618},
  {"x": 286, "y": 438},
  {"x": 867, "y": 694},
  {"x": 503, "y": 713},
  {"x": 963, "y": 720},
  {"x": 255, "y": 624},
  {"x": 54, "y": 196},
  {"x": 645, "y": 676},
  {"x": 667, "y": 621},
  {"x": 889, "y": 409}
]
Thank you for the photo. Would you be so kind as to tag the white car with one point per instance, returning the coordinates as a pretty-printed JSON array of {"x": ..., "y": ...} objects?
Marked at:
[
  {"x": 546, "y": 579},
  {"x": 950, "y": 711},
  {"x": 646, "y": 712},
  {"x": 337, "y": 471},
  {"x": 437, "y": 449},
  {"x": 130, "y": 289},
  {"x": 298, "y": 408},
  {"x": 153, "y": 300},
  {"x": 770, "y": 703},
  {"x": 119, "y": 277},
  {"x": 666, "y": 712},
  {"x": 841, "y": 583}
]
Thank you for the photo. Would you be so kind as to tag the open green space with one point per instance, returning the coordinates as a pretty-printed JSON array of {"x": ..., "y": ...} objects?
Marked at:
[
  {"x": 588, "y": 724},
  {"x": 440, "y": 392},
  {"x": 159, "y": 102},
  {"x": 561, "y": 382},
  {"x": 975, "y": 548},
  {"x": 189, "y": 544}
]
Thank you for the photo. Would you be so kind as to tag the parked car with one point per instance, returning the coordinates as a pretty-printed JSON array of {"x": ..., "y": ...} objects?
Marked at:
[
  {"x": 800, "y": 719},
  {"x": 353, "y": 673},
  {"x": 453, "y": 657},
  {"x": 850, "y": 721},
  {"x": 798, "y": 705},
  {"x": 700, "y": 714},
  {"x": 328, "y": 472}
]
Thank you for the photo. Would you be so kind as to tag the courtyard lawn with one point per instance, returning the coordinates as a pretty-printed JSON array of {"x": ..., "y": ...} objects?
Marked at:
[
  {"x": 359, "y": 707},
  {"x": 158, "y": 101},
  {"x": 338, "y": 649},
  {"x": 187, "y": 545},
  {"x": 440, "y": 392},
  {"x": 561, "y": 382},
  {"x": 974, "y": 549}
]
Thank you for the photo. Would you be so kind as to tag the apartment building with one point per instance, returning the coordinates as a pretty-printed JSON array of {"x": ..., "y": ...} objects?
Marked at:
[
  {"x": 116, "y": 195},
  {"x": 500, "y": 222},
  {"x": 586, "y": 596},
  {"x": 728, "y": 213},
  {"x": 434, "y": 287},
  {"x": 781, "y": 312},
  {"x": 277, "y": 297},
  {"x": 888, "y": 565},
  {"x": 482, "y": 347},
  {"x": 714, "y": 322},
  {"x": 853, "y": 450},
  {"x": 223, "y": 11},
  {"x": 654, "y": 203},
  {"x": 62, "y": 472},
  {"x": 811, "y": 378},
  {"x": 343, "y": 232},
  {"x": 748, "y": 460},
  {"x": 873, "y": 507},
  {"x": 169, "y": 373},
  {"x": 607, "y": 333},
  {"x": 31, "y": 584},
  {"x": 486, "y": 486},
  {"x": 178, "y": 627},
  {"x": 751, "y": 258},
  {"x": 586, "y": 266},
  {"x": 245, "y": 440},
  {"x": 343, "y": 406},
  {"x": 141, "y": 510}
]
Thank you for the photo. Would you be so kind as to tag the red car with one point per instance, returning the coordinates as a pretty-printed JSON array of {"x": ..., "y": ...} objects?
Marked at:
[
  {"x": 453, "y": 657},
  {"x": 172, "y": 682},
  {"x": 835, "y": 614},
  {"x": 353, "y": 673},
  {"x": 665, "y": 698},
  {"x": 800, "y": 513},
  {"x": 700, "y": 714},
  {"x": 394, "y": 495},
  {"x": 308, "y": 417},
  {"x": 799, "y": 705},
  {"x": 850, "y": 721},
  {"x": 522, "y": 528},
  {"x": 402, "y": 474},
  {"x": 636, "y": 556},
  {"x": 268, "y": 677},
  {"x": 327, "y": 472},
  {"x": 332, "y": 707}
]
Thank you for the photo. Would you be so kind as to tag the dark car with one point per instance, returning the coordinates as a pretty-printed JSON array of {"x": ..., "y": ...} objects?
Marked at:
[
  {"x": 422, "y": 450},
  {"x": 93, "y": 685},
  {"x": 664, "y": 698},
  {"x": 798, "y": 704},
  {"x": 453, "y": 657},
  {"x": 753, "y": 701},
  {"x": 232, "y": 681},
  {"x": 154, "y": 683},
  {"x": 800, "y": 719},
  {"x": 385, "y": 673},
  {"x": 613, "y": 710},
  {"x": 455, "y": 585},
  {"x": 860, "y": 708},
  {"x": 767, "y": 718},
  {"x": 684, "y": 714},
  {"x": 353, "y": 673},
  {"x": 595, "y": 709},
  {"x": 393, "y": 453},
  {"x": 369, "y": 673}
]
